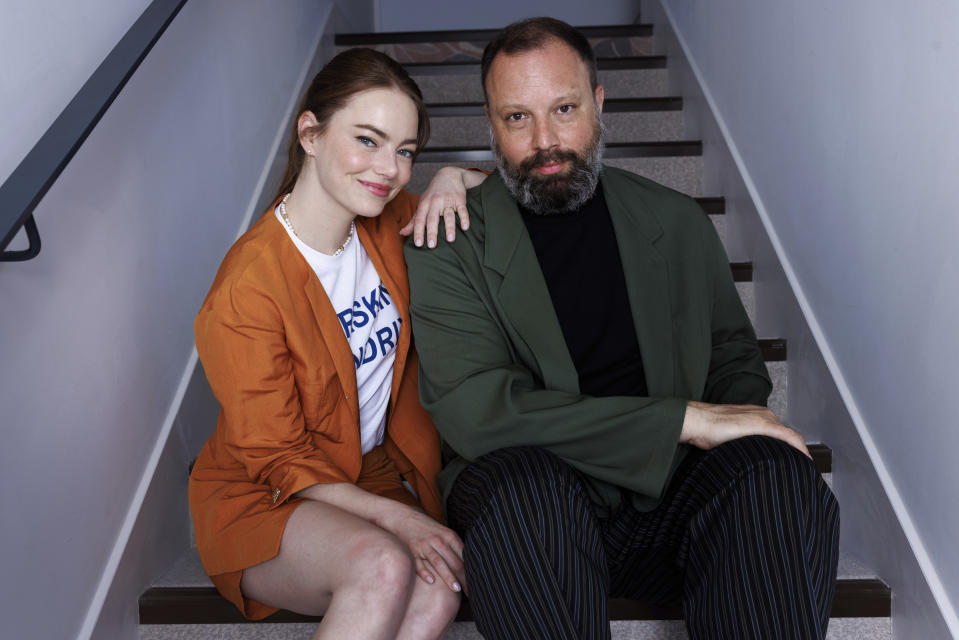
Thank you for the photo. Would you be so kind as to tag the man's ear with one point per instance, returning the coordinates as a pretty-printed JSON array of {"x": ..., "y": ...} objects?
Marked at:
[
  {"x": 307, "y": 128},
  {"x": 598, "y": 96}
]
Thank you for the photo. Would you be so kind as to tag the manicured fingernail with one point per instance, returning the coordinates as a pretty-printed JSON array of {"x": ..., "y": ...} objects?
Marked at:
[
  {"x": 457, "y": 587},
  {"x": 430, "y": 579},
  {"x": 449, "y": 237},
  {"x": 418, "y": 242},
  {"x": 432, "y": 243}
]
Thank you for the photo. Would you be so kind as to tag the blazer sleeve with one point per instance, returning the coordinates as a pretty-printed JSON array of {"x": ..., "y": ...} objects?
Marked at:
[
  {"x": 241, "y": 342},
  {"x": 481, "y": 398}
]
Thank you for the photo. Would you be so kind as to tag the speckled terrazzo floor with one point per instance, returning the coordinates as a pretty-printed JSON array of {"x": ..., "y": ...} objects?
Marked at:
[{"x": 839, "y": 629}]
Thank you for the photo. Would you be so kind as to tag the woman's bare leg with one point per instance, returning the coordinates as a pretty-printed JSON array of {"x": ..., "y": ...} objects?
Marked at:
[
  {"x": 333, "y": 563},
  {"x": 431, "y": 610}
]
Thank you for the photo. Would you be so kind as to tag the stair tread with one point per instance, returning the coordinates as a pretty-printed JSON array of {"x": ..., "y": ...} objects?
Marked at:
[
  {"x": 472, "y": 67},
  {"x": 839, "y": 629},
  {"x": 855, "y": 598},
  {"x": 476, "y": 35},
  {"x": 188, "y": 571}
]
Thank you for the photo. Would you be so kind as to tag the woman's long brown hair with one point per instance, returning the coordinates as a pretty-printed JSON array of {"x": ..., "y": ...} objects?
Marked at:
[{"x": 349, "y": 73}]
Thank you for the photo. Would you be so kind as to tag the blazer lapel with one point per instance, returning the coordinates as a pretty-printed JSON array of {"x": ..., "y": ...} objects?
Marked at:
[
  {"x": 647, "y": 284},
  {"x": 325, "y": 316},
  {"x": 522, "y": 292}
]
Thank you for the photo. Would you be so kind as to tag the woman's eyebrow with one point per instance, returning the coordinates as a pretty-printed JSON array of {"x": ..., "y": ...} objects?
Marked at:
[{"x": 383, "y": 134}]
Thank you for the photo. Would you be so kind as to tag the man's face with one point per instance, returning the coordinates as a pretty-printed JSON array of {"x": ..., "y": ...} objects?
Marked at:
[{"x": 545, "y": 127}]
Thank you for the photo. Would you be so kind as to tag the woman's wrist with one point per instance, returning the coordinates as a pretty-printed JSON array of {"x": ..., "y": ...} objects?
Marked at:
[{"x": 389, "y": 514}]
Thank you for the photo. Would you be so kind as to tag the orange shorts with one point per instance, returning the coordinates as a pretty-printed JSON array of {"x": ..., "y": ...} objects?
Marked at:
[{"x": 378, "y": 475}]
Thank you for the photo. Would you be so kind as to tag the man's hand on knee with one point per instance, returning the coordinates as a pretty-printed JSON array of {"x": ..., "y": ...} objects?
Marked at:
[{"x": 710, "y": 425}]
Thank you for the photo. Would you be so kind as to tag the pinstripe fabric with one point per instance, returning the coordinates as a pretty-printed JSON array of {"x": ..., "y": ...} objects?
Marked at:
[{"x": 746, "y": 538}]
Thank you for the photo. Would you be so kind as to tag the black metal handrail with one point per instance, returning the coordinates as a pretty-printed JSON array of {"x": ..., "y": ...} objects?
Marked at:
[{"x": 33, "y": 177}]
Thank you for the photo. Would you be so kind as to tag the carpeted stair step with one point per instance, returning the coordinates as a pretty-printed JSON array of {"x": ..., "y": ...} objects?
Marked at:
[
  {"x": 183, "y": 604},
  {"x": 839, "y": 629},
  {"x": 468, "y": 44}
]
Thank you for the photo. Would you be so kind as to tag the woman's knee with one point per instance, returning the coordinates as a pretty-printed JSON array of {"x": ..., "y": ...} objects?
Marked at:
[
  {"x": 432, "y": 610},
  {"x": 443, "y": 608},
  {"x": 378, "y": 561}
]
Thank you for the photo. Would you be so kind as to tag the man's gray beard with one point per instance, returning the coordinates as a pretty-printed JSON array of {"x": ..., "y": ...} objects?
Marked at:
[{"x": 558, "y": 193}]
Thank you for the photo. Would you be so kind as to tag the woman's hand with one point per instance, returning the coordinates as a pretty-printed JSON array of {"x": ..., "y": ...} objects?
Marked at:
[
  {"x": 437, "y": 550},
  {"x": 445, "y": 197}
]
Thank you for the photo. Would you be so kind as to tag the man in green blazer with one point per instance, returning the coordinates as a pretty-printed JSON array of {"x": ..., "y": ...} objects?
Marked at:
[{"x": 585, "y": 355}]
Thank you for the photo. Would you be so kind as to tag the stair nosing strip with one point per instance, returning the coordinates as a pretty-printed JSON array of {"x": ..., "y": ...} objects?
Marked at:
[
  {"x": 773, "y": 349},
  {"x": 712, "y": 205},
  {"x": 472, "y": 67},
  {"x": 476, "y": 35},
  {"x": 855, "y": 598},
  {"x": 742, "y": 271}
]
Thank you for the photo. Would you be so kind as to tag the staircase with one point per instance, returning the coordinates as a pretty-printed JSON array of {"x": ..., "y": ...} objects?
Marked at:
[{"x": 646, "y": 135}]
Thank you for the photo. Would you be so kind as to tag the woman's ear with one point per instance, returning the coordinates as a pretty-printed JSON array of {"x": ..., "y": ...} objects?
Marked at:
[{"x": 306, "y": 128}]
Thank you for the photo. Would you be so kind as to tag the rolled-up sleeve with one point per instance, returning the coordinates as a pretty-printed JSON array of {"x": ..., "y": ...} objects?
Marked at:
[{"x": 241, "y": 341}]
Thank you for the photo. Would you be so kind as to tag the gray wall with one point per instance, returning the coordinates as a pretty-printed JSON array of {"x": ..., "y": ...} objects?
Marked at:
[
  {"x": 422, "y": 15},
  {"x": 843, "y": 117},
  {"x": 97, "y": 331},
  {"x": 49, "y": 48}
]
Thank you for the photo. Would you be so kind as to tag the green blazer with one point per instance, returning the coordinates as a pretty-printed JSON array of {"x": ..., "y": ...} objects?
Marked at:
[{"x": 495, "y": 371}]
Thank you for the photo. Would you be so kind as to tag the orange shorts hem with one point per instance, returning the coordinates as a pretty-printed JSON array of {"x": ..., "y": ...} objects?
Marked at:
[{"x": 378, "y": 475}]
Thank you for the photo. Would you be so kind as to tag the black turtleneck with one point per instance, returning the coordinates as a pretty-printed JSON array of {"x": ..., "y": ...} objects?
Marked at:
[{"x": 580, "y": 260}]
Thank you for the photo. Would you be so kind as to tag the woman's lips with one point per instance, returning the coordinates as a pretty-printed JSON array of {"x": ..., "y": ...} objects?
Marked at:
[{"x": 379, "y": 190}]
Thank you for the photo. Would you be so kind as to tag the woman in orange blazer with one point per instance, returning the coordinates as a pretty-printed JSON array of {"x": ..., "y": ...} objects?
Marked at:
[{"x": 315, "y": 493}]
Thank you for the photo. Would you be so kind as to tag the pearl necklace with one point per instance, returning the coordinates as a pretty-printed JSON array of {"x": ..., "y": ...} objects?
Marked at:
[{"x": 282, "y": 209}]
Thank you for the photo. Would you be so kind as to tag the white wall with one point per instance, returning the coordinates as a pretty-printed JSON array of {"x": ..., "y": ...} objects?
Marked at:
[
  {"x": 843, "y": 116},
  {"x": 97, "y": 331},
  {"x": 425, "y": 15}
]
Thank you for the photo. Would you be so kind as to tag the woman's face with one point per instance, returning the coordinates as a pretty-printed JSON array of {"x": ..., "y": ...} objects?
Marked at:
[{"x": 365, "y": 156}]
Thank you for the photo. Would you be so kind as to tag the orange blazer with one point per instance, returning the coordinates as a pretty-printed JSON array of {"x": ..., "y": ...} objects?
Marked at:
[{"x": 281, "y": 367}]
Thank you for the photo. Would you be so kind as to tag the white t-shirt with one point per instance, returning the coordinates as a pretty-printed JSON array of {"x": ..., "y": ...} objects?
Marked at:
[{"x": 371, "y": 324}]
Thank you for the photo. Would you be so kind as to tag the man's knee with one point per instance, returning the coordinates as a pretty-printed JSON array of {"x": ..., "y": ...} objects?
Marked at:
[
  {"x": 528, "y": 465},
  {"x": 515, "y": 471},
  {"x": 769, "y": 455},
  {"x": 516, "y": 484},
  {"x": 788, "y": 474}
]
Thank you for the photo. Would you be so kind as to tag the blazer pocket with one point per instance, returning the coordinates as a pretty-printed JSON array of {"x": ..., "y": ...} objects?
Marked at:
[{"x": 318, "y": 401}]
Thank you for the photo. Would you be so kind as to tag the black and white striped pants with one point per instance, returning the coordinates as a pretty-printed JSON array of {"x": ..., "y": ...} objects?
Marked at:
[{"x": 746, "y": 538}]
